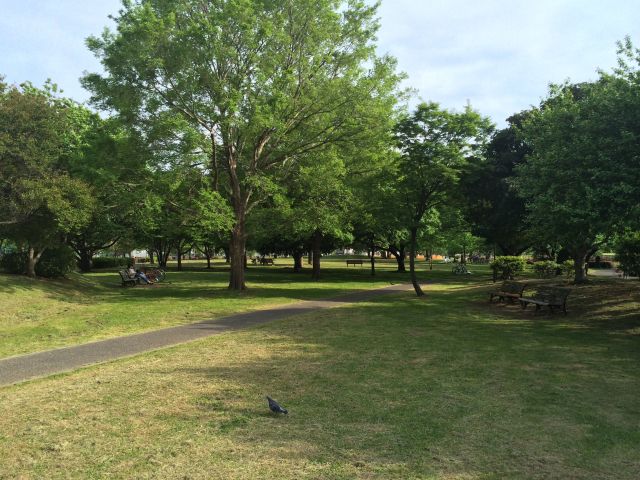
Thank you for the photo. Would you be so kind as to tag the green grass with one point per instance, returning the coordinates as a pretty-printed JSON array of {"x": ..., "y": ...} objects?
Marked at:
[
  {"x": 444, "y": 387},
  {"x": 42, "y": 314}
]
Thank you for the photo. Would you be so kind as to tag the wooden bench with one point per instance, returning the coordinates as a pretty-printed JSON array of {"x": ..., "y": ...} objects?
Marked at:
[
  {"x": 126, "y": 279},
  {"x": 266, "y": 261},
  {"x": 354, "y": 262},
  {"x": 550, "y": 297},
  {"x": 510, "y": 290}
]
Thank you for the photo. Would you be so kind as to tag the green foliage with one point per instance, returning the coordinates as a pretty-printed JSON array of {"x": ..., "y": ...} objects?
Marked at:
[
  {"x": 55, "y": 262},
  {"x": 14, "y": 262},
  {"x": 507, "y": 267},
  {"x": 568, "y": 268},
  {"x": 628, "y": 254},
  {"x": 546, "y": 269}
]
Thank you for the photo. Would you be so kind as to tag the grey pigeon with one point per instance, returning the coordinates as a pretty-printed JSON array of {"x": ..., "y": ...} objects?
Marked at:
[{"x": 275, "y": 406}]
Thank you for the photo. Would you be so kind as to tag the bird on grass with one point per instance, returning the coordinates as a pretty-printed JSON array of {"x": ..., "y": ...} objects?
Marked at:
[{"x": 275, "y": 406}]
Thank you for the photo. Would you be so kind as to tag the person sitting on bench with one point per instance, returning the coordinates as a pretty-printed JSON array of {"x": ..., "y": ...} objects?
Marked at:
[{"x": 138, "y": 274}]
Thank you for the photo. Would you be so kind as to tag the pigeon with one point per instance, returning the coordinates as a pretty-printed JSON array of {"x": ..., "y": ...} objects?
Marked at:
[{"x": 275, "y": 406}]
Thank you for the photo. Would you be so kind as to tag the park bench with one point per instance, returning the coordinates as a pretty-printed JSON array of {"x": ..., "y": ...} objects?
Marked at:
[
  {"x": 550, "y": 297},
  {"x": 354, "y": 262},
  {"x": 266, "y": 261},
  {"x": 126, "y": 279},
  {"x": 510, "y": 290}
]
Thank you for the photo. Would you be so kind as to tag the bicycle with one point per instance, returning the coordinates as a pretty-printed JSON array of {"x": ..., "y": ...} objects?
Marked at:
[
  {"x": 460, "y": 269},
  {"x": 156, "y": 275}
]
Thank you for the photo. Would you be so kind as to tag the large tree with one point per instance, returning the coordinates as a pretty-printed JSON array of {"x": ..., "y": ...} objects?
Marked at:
[
  {"x": 265, "y": 82},
  {"x": 581, "y": 182},
  {"x": 491, "y": 205},
  {"x": 41, "y": 203}
]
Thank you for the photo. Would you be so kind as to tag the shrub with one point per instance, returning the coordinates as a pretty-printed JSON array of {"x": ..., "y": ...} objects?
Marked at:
[
  {"x": 628, "y": 254},
  {"x": 14, "y": 262},
  {"x": 507, "y": 268},
  {"x": 55, "y": 262},
  {"x": 546, "y": 269},
  {"x": 568, "y": 268},
  {"x": 110, "y": 262}
]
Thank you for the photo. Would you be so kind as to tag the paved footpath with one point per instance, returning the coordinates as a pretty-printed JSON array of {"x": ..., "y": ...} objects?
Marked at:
[{"x": 26, "y": 367}]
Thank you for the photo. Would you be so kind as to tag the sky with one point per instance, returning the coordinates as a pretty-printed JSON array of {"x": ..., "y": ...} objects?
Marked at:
[{"x": 499, "y": 55}]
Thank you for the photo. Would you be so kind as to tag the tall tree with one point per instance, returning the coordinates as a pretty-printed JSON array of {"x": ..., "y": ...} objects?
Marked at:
[
  {"x": 581, "y": 180},
  {"x": 265, "y": 82},
  {"x": 435, "y": 144},
  {"x": 491, "y": 205},
  {"x": 42, "y": 203}
]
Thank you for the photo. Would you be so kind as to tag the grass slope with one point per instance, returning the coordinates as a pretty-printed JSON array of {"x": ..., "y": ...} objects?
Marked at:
[
  {"x": 447, "y": 387},
  {"x": 42, "y": 314}
]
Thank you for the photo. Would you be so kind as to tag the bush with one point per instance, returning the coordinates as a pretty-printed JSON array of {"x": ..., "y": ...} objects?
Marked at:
[
  {"x": 14, "y": 262},
  {"x": 628, "y": 254},
  {"x": 111, "y": 262},
  {"x": 55, "y": 262},
  {"x": 568, "y": 268},
  {"x": 507, "y": 268},
  {"x": 546, "y": 269}
]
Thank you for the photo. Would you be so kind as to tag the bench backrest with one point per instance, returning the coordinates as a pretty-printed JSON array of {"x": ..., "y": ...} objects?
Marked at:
[
  {"x": 513, "y": 287},
  {"x": 125, "y": 276},
  {"x": 557, "y": 295}
]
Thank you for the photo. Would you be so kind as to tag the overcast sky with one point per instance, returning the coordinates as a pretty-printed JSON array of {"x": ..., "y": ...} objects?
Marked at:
[{"x": 498, "y": 54}]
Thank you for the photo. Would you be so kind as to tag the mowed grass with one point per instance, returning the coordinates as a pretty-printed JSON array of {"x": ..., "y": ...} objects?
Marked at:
[
  {"x": 42, "y": 314},
  {"x": 447, "y": 387}
]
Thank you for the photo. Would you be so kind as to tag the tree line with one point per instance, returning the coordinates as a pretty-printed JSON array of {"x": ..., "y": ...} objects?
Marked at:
[{"x": 276, "y": 126}]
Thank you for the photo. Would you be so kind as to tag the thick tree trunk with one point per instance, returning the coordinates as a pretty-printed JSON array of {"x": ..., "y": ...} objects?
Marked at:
[
  {"x": 85, "y": 261},
  {"x": 580, "y": 274},
  {"x": 297, "y": 262},
  {"x": 317, "y": 245},
  {"x": 373, "y": 261},
  {"x": 236, "y": 251},
  {"x": 32, "y": 261},
  {"x": 412, "y": 263},
  {"x": 399, "y": 255}
]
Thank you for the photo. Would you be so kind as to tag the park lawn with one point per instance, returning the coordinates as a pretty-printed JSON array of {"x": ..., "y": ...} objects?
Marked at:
[
  {"x": 41, "y": 314},
  {"x": 446, "y": 387}
]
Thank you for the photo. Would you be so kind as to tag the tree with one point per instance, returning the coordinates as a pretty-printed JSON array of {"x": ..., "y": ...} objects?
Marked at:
[
  {"x": 435, "y": 144},
  {"x": 264, "y": 82},
  {"x": 491, "y": 205},
  {"x": 42, "y": 203},
  {"x": 581, "y": 181}
]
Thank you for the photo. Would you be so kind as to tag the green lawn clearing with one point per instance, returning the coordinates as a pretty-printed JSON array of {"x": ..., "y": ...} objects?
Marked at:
[
  {"x": 446, "y": 387},
  {"x": 42, "y": 314}
]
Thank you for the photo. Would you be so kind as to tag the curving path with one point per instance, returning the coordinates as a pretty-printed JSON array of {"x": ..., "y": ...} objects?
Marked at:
[{"x": 34, "y": 365}]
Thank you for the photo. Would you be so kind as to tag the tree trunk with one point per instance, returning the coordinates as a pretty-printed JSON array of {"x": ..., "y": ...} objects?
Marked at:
[
  {"x": 236, "y": 251},
  {"x": 227, "y": 255},
  {"x": 412, "y": 263},
  {"x": 309, "y": 257},
  {"x": 150, "y": 252},
  {"x": 430, "y": 260},
  {"x": 179, "y": 252},
  {"x": 32, "y": 261},
  {"x": 208, "y": 255},
  {"x": 399, "y": 255},
  {"x": 373, "y": 261},
  {"x": 317, "y": 245},
  {"x": 297, "y": 261},
  {"x": 85, "y": 261},
  {"x": 579, "y": 267}
]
